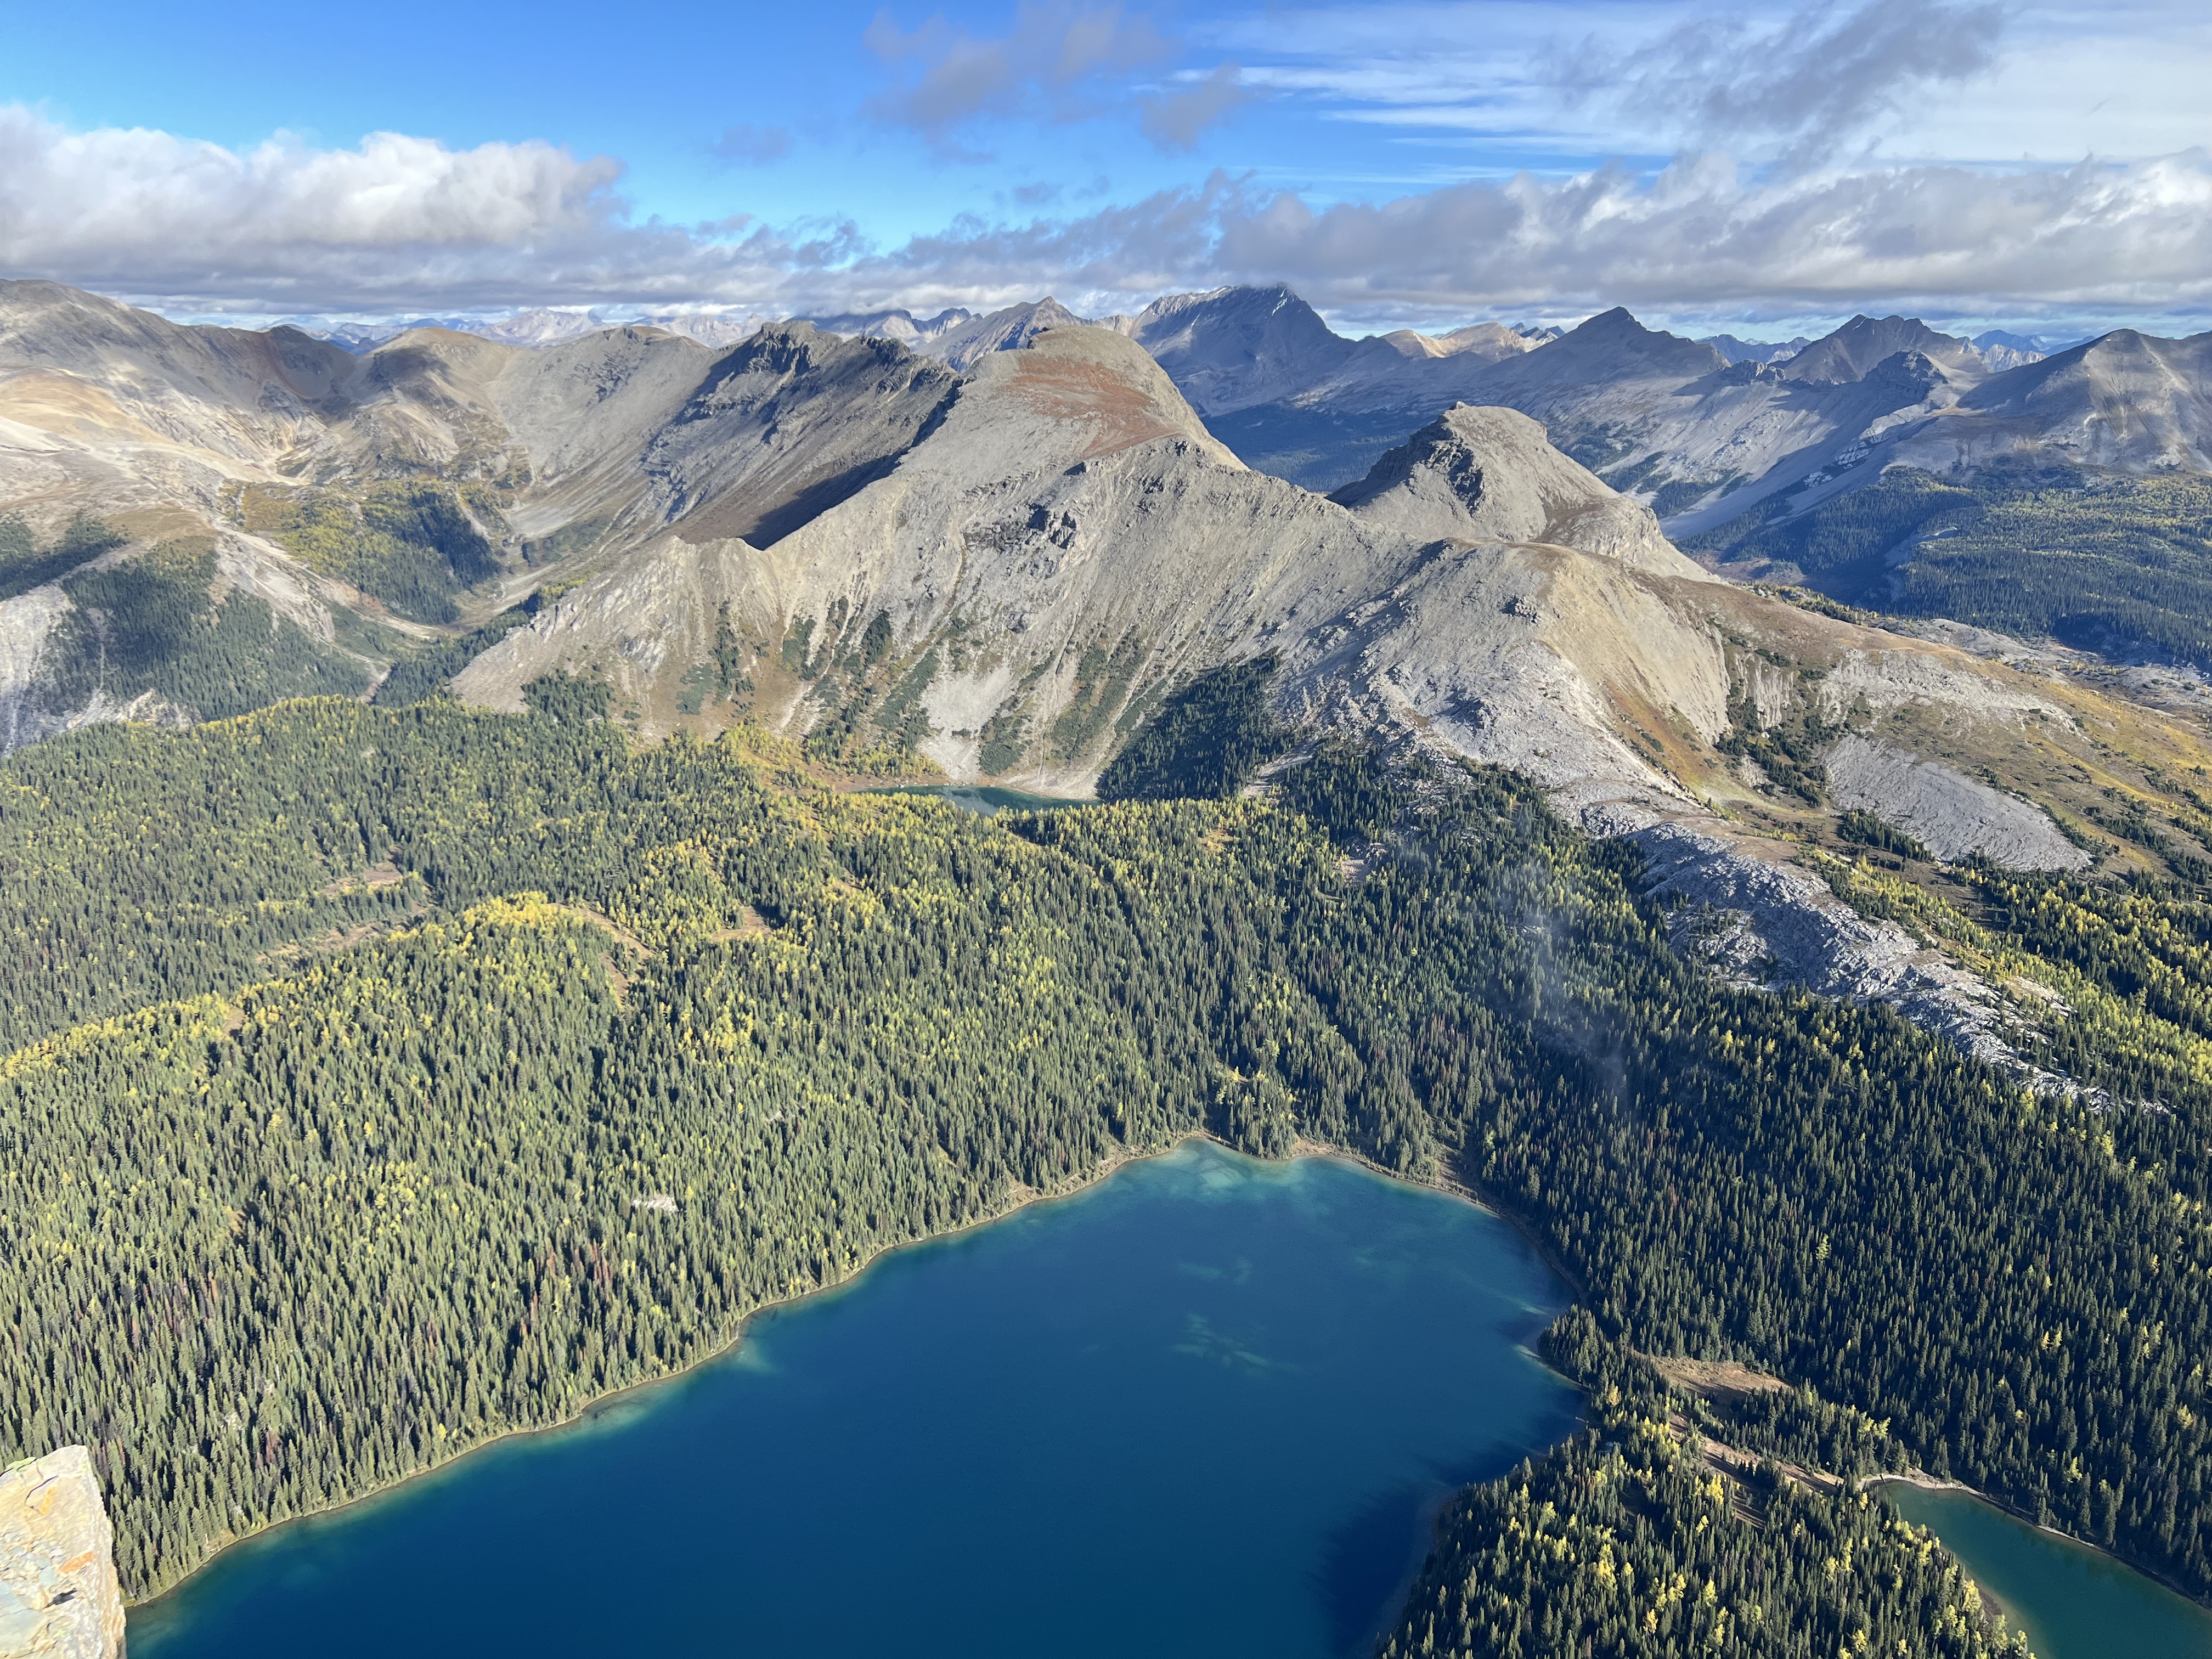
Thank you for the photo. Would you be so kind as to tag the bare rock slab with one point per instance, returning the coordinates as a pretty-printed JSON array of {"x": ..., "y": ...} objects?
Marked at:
[
  {"x": 1951, "y": 814},
  {"x": 59, "y": 1598}
]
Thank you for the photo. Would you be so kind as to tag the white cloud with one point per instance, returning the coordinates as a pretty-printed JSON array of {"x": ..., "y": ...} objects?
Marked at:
[
  {"x": 1809, "y": 81},
  {"x": 1174, "y": 120},
  {"x": 2056, "y": 82},
  {"x": 403, "y": 225},
  {"x": 395, "y": 222},
  {"x": 1039, "y": 68},
  {"x": 1696, "y": 237},
  {"x": 2057, "y": 96},
  {"x": 120, "y": 189}
]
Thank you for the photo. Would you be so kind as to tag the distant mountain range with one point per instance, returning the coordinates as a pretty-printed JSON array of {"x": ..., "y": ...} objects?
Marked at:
[
  {"x": 545, "y": 327},
  {"x": 1020, "y": 482},
  {"x": 1701, "y": 430},
  {"x": 1755, "y": 351},
  {"x": 409, "y": 485},
  {"x": 1656, "y": 413}
]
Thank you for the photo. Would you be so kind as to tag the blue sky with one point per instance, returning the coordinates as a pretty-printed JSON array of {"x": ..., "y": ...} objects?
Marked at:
[{"x": 1756, "y": 168}]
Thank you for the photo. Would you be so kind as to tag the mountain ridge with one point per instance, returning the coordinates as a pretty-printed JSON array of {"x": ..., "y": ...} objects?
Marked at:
[{"x": 746, "y": 513}]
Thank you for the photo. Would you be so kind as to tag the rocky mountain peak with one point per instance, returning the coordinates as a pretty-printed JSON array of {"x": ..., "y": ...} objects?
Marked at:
[
  {"x": 1071, "y": 395},
  {"x": 1489, "y": 340},
  {"x": 1616, "y": 336},
  {"x": 1235, "y": 347},
  {"x": 1491, "y": 475},
  {"x": 788, "y": 423},
  {"x": 1008, "y": 329},
  {"x": 1852, "y": 352},
  {"x": 2002, "y": 349},
  {"x": 1611, "y": 347},
  {"x": 793, "y": 347},
  {"x": 896, "y": 324},
  {"x": 2124, "y": 399},
  {"x": 1738, "y": 350}
]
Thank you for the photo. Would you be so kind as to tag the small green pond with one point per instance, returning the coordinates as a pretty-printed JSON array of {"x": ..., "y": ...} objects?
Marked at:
[
  {"x": 2074, "y": 1602},
  {"x": 987, "y": 799}
]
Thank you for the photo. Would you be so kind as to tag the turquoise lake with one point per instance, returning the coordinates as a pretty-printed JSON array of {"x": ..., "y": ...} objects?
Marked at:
[
  {"x": 988, "y": 800},
  {"x": 2072, "y": 1601},
  {"x": 1208, "y": 1407}
]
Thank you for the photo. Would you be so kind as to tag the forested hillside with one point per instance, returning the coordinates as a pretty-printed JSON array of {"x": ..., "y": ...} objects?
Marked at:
[
  {"x": 156, "y": 624},
  {"x": 1632, "y": 1540},
  {"x": 2099, "y": 561},
  {"x": 392, "y": 1079}
]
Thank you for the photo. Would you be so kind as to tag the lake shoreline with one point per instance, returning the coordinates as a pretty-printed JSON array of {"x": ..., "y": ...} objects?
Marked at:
[
  {"x": 1991, "y": 1602},
  {"x": 2066, "y": 1597},
  {"x": 599, "y": 1404},
  {"x": 1286, "y": 1282},
  {"x": 1024, "y": 1198}
]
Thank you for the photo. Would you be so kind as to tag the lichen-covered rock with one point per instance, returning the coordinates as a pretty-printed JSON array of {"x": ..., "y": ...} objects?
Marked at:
[{"x": 58, "y": 1594}]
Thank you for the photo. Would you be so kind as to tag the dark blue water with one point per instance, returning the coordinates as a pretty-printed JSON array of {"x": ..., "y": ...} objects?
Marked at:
[{"x": 1205, "y": 1407}]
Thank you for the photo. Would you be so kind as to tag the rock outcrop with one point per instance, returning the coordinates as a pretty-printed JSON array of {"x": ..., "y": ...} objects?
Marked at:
[
  {"x": 59, "y": 1598},
  {"x": 1767, "y": 924},
  {"x": 1952, "y": 815}
]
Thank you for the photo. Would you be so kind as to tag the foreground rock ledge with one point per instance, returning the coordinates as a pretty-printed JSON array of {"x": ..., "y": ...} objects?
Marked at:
[{"x": 59, "y": 1593}]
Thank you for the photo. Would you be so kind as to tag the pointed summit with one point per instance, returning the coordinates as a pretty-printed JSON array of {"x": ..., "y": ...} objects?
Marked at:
[
  {"x": 1490, "y": 475},
  {"x": 1849, "y": 354},
  {"x": 1235, "y": 347},
  {"x": 1009, "y": 330},
  {"x": 1615, "y": 340}
]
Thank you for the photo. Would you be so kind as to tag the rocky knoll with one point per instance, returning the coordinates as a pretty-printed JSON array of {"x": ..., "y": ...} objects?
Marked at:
[
  {"x": 1492, "y": 475},
  {"x": 58, "y": 1594}
]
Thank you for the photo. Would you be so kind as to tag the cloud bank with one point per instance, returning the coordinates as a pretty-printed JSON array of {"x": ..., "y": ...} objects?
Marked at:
[{"x": 405, "y": 225}]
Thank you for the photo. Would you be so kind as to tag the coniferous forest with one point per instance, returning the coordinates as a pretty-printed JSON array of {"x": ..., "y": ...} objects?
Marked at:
[
  {"x": 385, "y": 1079},
  {"x": 2099, "y": 561}
]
